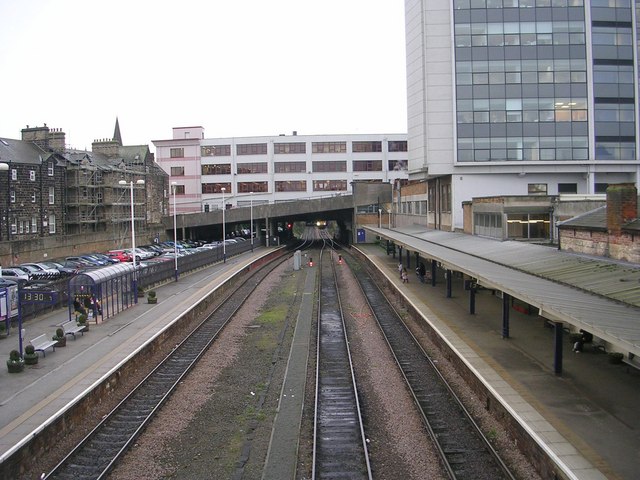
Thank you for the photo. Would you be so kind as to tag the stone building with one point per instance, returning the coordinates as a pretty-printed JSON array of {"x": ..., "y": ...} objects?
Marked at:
[
  {"x": 82, "y": 198},
  {"x": 32, "y": 192}
]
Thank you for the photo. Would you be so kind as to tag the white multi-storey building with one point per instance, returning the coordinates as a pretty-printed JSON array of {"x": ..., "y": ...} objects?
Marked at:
[
  {"x": 269, "y": 169},
  {"x": 520, "y": 97}
]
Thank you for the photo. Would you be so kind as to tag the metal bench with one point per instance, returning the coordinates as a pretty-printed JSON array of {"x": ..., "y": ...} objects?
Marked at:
[
  {"x": 71, "y": 328},
  {"x": 42, "y": 342}
]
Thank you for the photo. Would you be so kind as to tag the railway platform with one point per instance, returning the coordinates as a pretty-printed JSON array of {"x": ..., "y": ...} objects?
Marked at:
[
  {"x": 28, "y": 400},
  {"x": 585, "y": 419}
]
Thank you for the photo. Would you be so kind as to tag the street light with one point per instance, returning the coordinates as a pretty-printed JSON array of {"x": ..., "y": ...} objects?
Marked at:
[
  {"x": 174, "y": 185},
  {"x": 133, "y": 238},
  {"x": 4, "y": 167},
  {"x": 224, "y": 245},
  {"x": 251, "y": 216}
]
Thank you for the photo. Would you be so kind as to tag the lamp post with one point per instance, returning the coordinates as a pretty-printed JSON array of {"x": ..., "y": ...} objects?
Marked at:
[
  {"x": 174, "y": 186},
  {"x": 133, "y": 238},
  {"x": 224, "y": 245},
  {"x": 4, "y": 167},
  {"x": 389, "y": 219},
  {"x": 251, "y": 216},
  {"x": 379, "y": 218}
]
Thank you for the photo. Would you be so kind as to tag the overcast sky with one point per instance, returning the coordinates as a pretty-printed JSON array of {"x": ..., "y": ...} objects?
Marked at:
[{"x": 235, "y": 67}]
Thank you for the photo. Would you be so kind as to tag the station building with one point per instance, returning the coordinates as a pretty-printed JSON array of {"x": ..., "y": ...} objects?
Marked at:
[
  {"x": 518, "y": 98},
  {"x": 208, "y": 173}
]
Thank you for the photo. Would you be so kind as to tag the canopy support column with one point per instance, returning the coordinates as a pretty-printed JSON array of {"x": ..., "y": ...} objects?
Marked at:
[
  {"x": 557, "y": 350},
  {"x": 506, "y": 300}
]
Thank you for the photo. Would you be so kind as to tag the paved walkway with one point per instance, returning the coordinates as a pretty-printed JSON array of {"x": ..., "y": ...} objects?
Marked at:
[
  {"x": 31, "y": 398},
  {"x": 282, "y": 457},
  {"x": 587, "y": 417}
]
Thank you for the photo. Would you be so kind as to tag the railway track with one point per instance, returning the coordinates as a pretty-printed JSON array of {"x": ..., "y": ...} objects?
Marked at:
[
  {"x": 100, "y": 450},
  {"x": 464, "y": 450},
  {"x": 340, "y": 449}
]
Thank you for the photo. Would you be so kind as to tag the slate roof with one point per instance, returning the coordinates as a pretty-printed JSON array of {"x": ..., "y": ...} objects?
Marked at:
[
  {"x": 17, "y": 151},
  {"x": 597, "y": 220}
]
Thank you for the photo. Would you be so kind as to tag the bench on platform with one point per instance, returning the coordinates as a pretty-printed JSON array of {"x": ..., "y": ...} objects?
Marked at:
[
  {"x": 71, "y": 328},
  {"x": 42, "y": 342}
]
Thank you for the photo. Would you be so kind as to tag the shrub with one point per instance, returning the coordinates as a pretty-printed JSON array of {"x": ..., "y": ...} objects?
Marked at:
[{"x": 29, "y": 350}]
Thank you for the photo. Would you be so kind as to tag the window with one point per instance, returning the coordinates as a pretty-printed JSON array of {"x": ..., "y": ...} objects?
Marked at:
[
  {"x": 179, "y": 189},
  {"x": 12, "y": 196},
  {"x": 397, "y": 165},
  {"x": 50, "y": 169},
  {"x": 52, "y": 195},
  {"x": 14, "y": 226},
  {"x": 367, "y": 165},
  {"x": 217, "y": 169},
  {"x": 365, "y": 147},
  {"x": 14, "y": 174},
  {"x": 248, "y": 168},
  {"x": 252, "y": 149},
  {"x": 600, "y": 187},
  {"x": 397, "y": 146},
  {"x": 34, "y": 224},
  {"x": 329, "y": 147},
  {"x": 33, "y": 197},
  {"x": 537, "y": 189},
  {"x": 297, "y": 147},
  {"x": 329, "y": 166},
  {"x": 290, "y": 167},
  {"x": 248, "y": 187},
  {"x": 445, "y": 198},
  {"x": 176, "y": 153},
  {"x": 329, "y": 185},
  {"x": 32, "y": 175},
  {"x": 216, "y": 151},
  {"x": 52, "y": 223},
  {"x": 292, "y": 186},
  {"x": 567, "y": 188},
  {"x": 177, "y": 171},
  {"x": 216, "y": 188}
]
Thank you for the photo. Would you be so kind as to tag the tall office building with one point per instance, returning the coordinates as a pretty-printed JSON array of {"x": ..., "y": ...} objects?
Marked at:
[{"x": 517, "y": 97}]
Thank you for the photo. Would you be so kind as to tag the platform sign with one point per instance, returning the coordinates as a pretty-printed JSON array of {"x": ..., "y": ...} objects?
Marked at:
[{"x": 36, "y": 296}]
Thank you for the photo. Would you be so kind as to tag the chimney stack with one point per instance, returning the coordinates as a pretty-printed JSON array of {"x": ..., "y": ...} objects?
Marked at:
[{"x": 622, "y": 206}]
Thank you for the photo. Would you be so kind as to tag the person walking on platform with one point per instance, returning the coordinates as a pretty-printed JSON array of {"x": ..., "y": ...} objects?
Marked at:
[
  {"x": 404, "y": 276},
  {"x": 400, "y": 268}
]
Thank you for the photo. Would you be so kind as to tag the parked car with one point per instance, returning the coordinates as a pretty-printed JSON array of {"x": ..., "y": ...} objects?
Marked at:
[
  {"x": 140, "y": 254},
  {"x": 15, "y": 274},
  {"x": 39, "y": 271},
  {"x": 105, "y": 258},
  {"x": 120, "y": 255},
  {"x": 60, "y": 268},
  {"x": 97, "y": 261},
  {"x": 148, "y": 249},
  {"x": 79, "y": 262}
]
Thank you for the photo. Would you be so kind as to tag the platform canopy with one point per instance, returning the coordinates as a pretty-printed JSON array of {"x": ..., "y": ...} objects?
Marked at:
[{"x": 597, "y": 295}]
